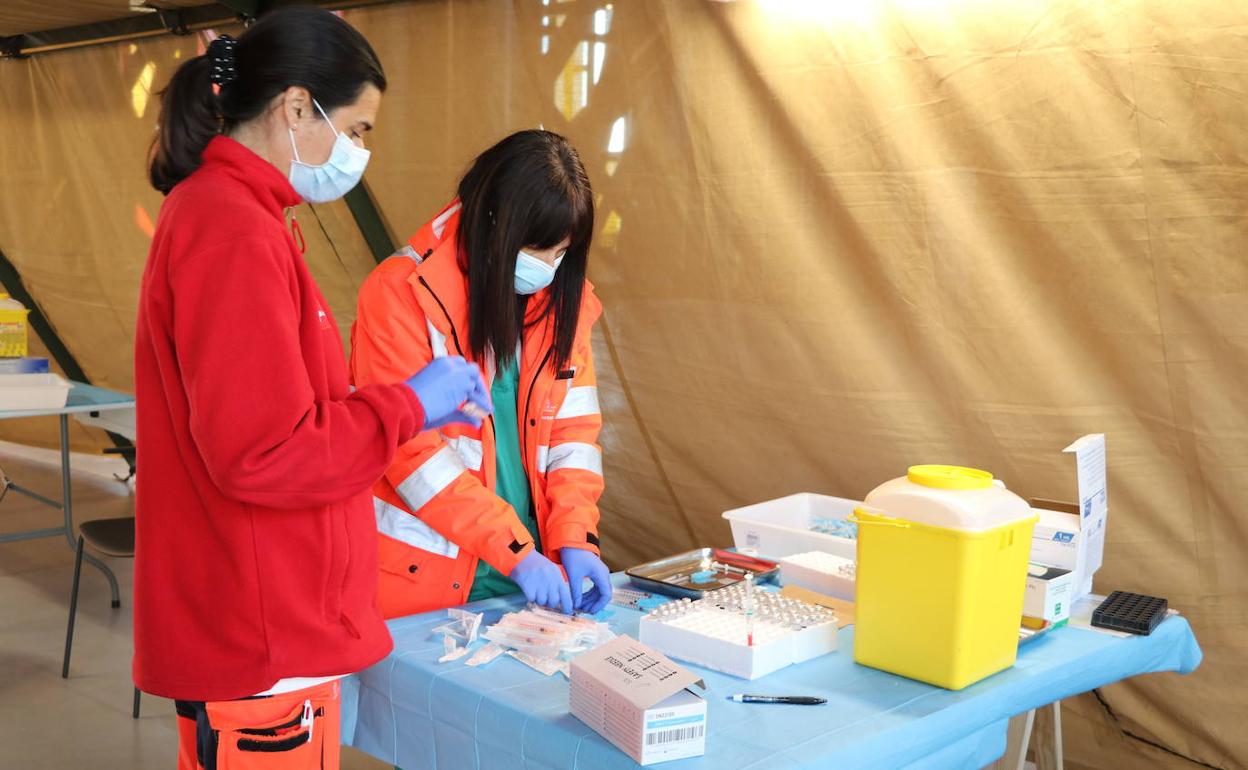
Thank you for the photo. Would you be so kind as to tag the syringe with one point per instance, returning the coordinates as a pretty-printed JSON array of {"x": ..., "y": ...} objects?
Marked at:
[{"x": 749, "y": 608}]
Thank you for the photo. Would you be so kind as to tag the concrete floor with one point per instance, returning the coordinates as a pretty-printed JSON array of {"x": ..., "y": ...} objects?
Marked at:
[{"x": 45, "y": 721}]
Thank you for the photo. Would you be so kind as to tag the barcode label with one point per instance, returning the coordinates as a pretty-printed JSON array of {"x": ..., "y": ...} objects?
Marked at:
[{"x": 675, "y": 736}]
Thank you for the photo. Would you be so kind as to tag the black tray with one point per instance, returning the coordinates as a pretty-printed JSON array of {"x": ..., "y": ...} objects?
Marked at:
[{"x": 1134, "y": 613}]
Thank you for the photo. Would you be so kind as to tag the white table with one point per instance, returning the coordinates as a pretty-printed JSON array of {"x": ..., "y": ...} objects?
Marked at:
[{"x": 87, "y": 401}]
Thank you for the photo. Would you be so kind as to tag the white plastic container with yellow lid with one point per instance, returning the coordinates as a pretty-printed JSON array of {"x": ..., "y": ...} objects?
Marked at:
[{"x": 942, "y": 568}]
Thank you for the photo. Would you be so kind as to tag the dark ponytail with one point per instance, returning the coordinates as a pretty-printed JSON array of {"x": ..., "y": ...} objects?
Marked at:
[
  {"x": 292, "y": 46},
  {"x": 188, "y": 120}
]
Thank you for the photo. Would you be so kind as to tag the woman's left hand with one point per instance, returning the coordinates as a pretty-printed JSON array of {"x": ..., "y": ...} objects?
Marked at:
[{"x": 581, "y": 564}]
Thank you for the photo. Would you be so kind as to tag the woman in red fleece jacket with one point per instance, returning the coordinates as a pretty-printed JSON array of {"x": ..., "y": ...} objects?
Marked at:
[{"x": 256, "y": 571}]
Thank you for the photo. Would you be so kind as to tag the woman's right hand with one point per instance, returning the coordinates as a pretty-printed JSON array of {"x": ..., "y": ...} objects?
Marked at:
[{"x": 446, "y": 387}]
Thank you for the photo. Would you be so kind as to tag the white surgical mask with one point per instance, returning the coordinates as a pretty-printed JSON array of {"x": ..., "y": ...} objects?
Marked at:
[
  {"x": 335, "y": 177},
  {"x": 532, "y": 274}
]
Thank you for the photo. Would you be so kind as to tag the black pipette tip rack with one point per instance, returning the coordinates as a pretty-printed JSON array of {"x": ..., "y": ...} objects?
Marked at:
[{"x": 1134, "y": 613}]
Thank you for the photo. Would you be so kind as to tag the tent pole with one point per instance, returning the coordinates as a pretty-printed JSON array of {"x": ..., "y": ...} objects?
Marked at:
[
  {"x": 370, "y": 222},
  {"x": 147, "y": 25}
]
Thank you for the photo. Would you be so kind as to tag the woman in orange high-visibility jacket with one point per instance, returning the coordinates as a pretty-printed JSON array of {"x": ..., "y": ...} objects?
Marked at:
[{"x": 499, "y": 278}]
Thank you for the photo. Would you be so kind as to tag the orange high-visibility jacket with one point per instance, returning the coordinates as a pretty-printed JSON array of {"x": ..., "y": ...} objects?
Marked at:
[{"x": 436, "y": 508}]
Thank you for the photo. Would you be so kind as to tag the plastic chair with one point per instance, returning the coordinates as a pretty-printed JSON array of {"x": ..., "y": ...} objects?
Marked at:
[{"x": 110, "y": 537}]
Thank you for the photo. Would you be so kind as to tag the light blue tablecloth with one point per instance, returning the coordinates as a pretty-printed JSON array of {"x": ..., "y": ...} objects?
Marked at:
[{"x": 417, "y": 713}]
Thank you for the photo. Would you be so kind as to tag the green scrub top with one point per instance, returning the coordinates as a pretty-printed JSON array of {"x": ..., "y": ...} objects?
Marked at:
[{"x": 512, "y": 484}]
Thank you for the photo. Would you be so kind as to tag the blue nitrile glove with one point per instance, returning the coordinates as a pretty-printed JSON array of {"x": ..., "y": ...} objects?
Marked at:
[
  {"x": 581, "y": 564},
  {"x": 446, "y": 385},
  {"x": 542, "y": 582}
]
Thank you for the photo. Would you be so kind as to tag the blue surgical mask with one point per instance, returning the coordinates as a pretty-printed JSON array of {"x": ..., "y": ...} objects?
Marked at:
[
  {"x": 532, "y": 274},
  {"x": 335, "y": 177}
]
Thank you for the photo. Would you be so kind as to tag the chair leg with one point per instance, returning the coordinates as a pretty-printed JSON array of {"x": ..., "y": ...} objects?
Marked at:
[
  {"x": 136, "y": 702},
  {"x": 73, "y": 610}
]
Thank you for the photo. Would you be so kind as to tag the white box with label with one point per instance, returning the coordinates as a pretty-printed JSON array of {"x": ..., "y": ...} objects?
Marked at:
[
  {"x": 1056, "y": 540},
  {"x": 1049, "y": 593},
  {"x": 640, "y": 701}
]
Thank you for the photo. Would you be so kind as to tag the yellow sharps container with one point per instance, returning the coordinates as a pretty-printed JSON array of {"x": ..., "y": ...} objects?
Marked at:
[
  {"x": 942, "y": 566},
  {"x": 13, "y": 333}
]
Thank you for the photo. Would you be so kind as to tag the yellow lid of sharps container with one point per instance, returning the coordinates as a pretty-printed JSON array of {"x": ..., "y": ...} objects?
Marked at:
[{"x": 949, "y": 477}]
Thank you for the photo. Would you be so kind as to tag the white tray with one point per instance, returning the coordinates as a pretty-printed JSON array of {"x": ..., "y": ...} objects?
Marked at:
[
  {"x": 29, "y": 392},
  {"x": 779, "y": 528}
]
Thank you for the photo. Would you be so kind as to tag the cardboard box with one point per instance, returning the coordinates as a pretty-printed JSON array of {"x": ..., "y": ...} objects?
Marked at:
[
  {"x": 24, "y": 366},
  {"x": 1056, "y": 541},
  {"x": 640, "y": 701},
  {"x": 1049, "y": 593},
  {"x": 1072, "y": 536}
]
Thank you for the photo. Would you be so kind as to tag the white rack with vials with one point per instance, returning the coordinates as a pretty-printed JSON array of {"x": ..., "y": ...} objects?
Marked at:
[
  {"x": 825, "y": 573},
  {"x": 716, "y": 632}
]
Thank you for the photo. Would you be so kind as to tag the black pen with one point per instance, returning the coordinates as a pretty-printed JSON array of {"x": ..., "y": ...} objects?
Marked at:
[{"x": 792, "y": 700}]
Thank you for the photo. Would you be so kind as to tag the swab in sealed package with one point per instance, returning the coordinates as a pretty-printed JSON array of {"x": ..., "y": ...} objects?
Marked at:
[
  {"x": 452, "y": 650},
  {"x": 463, "y": 626},
  {"x": 485, "y": 655},
  {"x": 544, "y": 666}
]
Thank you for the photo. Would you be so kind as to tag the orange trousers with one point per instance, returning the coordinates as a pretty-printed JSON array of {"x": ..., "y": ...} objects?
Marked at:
[{"x": 297, "y": 730}]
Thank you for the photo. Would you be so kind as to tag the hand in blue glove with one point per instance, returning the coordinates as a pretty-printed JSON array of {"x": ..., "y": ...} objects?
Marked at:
[
  {"x": 445, "y": 387},
  {"x": 581, "y": 564},
  {"x": 542, "y": 582}
]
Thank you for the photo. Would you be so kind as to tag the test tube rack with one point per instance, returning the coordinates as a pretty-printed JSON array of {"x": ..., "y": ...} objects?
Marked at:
[{"x": 714, "y": 632}]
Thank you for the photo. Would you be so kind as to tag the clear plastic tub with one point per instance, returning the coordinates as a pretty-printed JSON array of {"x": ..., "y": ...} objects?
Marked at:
[{"x": 783, "y": 527}]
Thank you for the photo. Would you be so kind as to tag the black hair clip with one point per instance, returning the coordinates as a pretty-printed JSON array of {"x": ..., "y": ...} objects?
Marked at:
[{"x": 221, "y": 58}]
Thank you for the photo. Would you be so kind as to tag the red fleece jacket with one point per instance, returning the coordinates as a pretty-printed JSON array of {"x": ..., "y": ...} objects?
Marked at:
[{"x": 257, "y": 545}]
